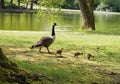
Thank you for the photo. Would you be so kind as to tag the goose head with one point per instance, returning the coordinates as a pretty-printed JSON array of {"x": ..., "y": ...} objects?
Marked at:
[{"x": 54, "y": 24}]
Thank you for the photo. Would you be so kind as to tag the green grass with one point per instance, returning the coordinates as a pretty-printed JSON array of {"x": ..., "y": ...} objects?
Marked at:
[{"x": 104, "y": 68}]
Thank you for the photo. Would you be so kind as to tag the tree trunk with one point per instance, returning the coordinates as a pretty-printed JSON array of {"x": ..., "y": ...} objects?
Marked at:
[
  {"x": 11, "y": 72},
  {"x": 26, "y": 4},
  {"x": 2, "y": 5},
  {"x": 2, "y": 56},
  {"x": 5, "y": 63},
  {"x": 18, "y": 3},
  {"x": 11, "y": 2},
  {"x": 86, "y": 7},
  {"x": 31, "y": 6}
]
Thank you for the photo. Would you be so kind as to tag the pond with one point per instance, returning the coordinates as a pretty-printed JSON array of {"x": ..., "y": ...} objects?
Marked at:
[{"x": 66, "y": 22}]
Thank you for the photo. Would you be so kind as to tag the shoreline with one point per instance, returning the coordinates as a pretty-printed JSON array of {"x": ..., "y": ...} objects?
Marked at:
[
  {"x": 69, "y": 11},
  {"x": 18, "y": 11},
  {"x": 96, "y": 12}
]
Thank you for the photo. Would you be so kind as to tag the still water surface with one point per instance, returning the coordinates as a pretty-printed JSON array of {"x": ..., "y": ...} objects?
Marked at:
[{"x": 66, "y": 22}]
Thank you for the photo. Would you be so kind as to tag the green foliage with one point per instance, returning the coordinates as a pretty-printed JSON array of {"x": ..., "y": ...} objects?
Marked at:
[
  {"x": 48, "y": 8},
  {"x": 70, "y": 4},
  {"x": 96, "y": 3},
  {"x": 112, "y": 5},
  {"x": 50, "y": 3}
]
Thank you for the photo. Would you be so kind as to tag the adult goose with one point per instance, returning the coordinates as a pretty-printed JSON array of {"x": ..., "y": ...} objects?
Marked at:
[{"x": 46, "y": 41}]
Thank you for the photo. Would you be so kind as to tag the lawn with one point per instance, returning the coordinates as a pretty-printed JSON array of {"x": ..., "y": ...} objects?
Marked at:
[{"x": 104, "y": 68}]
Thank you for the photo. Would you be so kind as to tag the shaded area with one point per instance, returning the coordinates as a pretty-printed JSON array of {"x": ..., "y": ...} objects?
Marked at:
[{"x": 12, "y": 73}]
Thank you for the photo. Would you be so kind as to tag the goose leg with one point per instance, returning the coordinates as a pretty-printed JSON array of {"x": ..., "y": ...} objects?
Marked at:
[
  {"x": 40, "y": 50},
  {"x": 48, "y": 50}
]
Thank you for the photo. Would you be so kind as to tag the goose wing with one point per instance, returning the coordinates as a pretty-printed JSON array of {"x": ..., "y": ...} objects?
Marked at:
[{"x": 46, "y": 41}]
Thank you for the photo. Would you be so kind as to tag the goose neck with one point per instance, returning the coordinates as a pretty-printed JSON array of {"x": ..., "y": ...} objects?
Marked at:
[{"x": 53, "y": 30}]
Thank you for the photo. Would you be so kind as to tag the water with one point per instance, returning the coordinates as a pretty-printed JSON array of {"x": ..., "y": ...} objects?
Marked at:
[{"x": 67, "y": 22}]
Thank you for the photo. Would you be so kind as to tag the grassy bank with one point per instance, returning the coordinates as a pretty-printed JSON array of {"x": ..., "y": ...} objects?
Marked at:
[{"x": 104, "y": 68}]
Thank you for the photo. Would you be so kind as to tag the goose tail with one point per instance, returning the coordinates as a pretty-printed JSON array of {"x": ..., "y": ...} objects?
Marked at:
[
  {"x": 36, "y": 45},
  {"x": 32, "y": 47}
]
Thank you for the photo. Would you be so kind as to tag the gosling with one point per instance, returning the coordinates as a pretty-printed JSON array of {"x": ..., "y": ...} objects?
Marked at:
[
  {"x": 89, "y": 56},
  {"x": 76, "y": 54},
  {"x": 59, "y": 52}
]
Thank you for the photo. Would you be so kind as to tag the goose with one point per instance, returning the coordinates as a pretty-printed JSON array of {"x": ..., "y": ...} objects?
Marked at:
[
  {"x": 77, "y": 53},
  {"x": 89, "y": 55},
  {"x": 45, "y": 41}
]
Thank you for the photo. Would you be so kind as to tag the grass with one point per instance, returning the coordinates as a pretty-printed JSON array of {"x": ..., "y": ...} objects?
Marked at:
[{"x": 104, "y": 68}]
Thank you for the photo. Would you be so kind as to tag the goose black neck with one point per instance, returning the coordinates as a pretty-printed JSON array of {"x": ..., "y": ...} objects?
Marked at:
[{"x": 53, "y": 30}]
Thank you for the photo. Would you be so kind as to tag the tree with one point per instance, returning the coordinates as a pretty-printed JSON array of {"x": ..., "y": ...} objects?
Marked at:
[
  {"x": 26, "y": 4},
  {"x": 112, "y": 5},
  {"x": 2, "y": 5},
  {"x": 86, "y": 7},
  {"x": 31, "y": 6},
  {"x": 18, "y": 3},
  {"x": 11, "y": 2},
  {"x": 68, "y": 4},
  {"x": 11, "y": 72}
]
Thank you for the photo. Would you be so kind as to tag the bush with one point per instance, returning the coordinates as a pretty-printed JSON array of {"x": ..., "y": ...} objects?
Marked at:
[{"x": 104, "y": 7}]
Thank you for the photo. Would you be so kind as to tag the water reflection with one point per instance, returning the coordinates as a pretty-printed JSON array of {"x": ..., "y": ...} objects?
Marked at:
[
  {"x": 67, "y": 22},
  {"x": 108, "y": 22}
]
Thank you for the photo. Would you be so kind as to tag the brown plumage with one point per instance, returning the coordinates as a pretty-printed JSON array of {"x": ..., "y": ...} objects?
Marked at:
[
  {"x": 76, "y": 54},
  {"x": 45, "y": 41},
  {"x": 59, "y": 52},
  {"x": 89, "y": 56}
]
